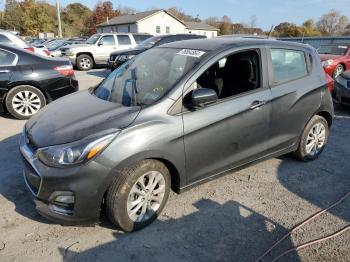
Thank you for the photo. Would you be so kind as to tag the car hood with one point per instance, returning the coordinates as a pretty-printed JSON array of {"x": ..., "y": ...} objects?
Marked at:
[
  {"x": 75, "y": 117},
  {"x": 325, "y": 57},
  {"x": 133, "y": 51},
  {"x": 77, "y": 46}
]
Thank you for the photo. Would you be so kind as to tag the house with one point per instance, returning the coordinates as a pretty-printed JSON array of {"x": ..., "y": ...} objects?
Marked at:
[{"x": 155, "y": 22}]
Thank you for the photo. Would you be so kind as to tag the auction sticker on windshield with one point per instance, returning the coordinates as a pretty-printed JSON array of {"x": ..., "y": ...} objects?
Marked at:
[{"x": 189, "y": 52}]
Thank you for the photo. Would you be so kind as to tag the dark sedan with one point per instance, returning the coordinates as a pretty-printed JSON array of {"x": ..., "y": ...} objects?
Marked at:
[
  {"x": 120, "y": 57},
  {"x": 28, "y": 81},
  {"x": 341, "y": 92}
]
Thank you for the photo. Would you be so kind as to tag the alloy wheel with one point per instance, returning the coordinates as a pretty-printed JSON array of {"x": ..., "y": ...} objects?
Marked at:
[
  {"x": 26, "y": 103},
  {"x": 146, "y": 196},
  {"x": 85, "y": 63},
  {"x": 316, "y": 139}
]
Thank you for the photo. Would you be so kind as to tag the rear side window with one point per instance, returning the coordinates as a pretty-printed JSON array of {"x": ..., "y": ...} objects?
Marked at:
[
  {"x": 123, "y": 40},
  {"x": 4, "y": 39},
  {"x": 287, "y": 65},
  {"x": 140, "y": 38},
  {"x": 6, "y": 58}
]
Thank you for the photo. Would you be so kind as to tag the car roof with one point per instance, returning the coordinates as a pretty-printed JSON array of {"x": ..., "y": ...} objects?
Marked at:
[{"x": 213, "y": 44}]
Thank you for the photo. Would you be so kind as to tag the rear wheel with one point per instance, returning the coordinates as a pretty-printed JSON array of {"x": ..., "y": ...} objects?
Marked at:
[
  {"x": 138, "y": 195},
  {"x": 313, "y": 139},
  {"x": 85, "y": 62},
  {"x": 22, "y": 102},
  {"x": 338, "y": 70}
]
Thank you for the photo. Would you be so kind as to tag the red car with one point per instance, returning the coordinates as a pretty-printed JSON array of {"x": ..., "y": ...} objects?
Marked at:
[{"x": 335, "y": 58}]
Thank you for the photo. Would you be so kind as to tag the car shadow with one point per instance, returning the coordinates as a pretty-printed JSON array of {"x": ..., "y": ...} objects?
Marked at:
[
  {"x": 99, "y": 73},
  {"x": 12, "y": 185},
  {"x": 216, "y": 232},
  {"x": 325, "y": 180}
]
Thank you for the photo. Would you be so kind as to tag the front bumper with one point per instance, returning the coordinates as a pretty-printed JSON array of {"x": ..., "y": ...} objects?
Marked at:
[
  {"x": 86, "y": 183},
  {"x": 341, "y": 94}
]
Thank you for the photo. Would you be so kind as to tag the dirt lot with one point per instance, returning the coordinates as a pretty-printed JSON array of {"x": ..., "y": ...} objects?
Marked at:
[{"x": 234, "y": 218}]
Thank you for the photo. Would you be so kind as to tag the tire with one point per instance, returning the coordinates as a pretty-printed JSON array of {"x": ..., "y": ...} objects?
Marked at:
[
  {"x": 24, "y": 101},
  {"x": 85, "y": 62},
  {"x": 307, "y": 139},
  {"x": 124, "y": 194},
  {"x": 337, "y": 71}
]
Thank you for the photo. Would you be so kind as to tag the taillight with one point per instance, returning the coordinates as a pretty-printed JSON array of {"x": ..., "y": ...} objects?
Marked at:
[
  {"x": 47, "y": 52},
  {"x": 66, "y": 70},
  {"x": 31, "y": 49},
  {"x": 330, "y": 83}
]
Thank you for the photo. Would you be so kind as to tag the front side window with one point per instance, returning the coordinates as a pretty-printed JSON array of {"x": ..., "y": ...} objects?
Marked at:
[
  {"x": 93, "y": 39},
  {"x": 233, "y": 75},
  {"x": 158, "y": 29},
  {"x": 144, "y": 80},
  {"x": 107, "y": 40},
  {"x": 123, "y": 40},
  {"x": 287, "y": 65},
  {"x": 6, "y": 58}
]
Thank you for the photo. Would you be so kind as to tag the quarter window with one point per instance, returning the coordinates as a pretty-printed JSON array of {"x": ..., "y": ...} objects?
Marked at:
[
  {"x": 287, "y": 65},
  {"x": 4, "y": 39},
  {"x": 6, "y": 58},
  {"x": 123, "y": 40}
]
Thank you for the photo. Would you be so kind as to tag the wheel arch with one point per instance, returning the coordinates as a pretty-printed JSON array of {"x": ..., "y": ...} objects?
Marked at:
[
  {"x": 86, "y": 53},
  {"x": 326, "y": 115}
]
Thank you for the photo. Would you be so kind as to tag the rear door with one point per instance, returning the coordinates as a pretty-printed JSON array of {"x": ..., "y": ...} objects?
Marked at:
[
  {"x": 296, "y": 94},
  {"x": 124, "y": 42}
]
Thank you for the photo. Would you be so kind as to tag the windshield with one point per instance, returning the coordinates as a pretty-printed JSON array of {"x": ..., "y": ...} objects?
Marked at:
[
  {"x": 55, "y": 45},
  {"x": 93, "y": 39},
  {"x": 148, "y": 77},
  {"x": 150, "y": 42},
  {"x": 332, "y": 49}
]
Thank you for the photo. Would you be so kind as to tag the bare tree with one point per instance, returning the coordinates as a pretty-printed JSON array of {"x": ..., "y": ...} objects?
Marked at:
[
  {"x": 333, "y": 23},
  {"x": 253, "y": 21},
  {"x": 212, "y": 20}
]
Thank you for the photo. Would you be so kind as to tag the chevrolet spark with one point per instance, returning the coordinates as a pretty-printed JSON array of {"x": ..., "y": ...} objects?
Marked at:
[{"x": 171, "y": 118}]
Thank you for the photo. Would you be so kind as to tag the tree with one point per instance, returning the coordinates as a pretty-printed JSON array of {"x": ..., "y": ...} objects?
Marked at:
[
  {"x": 332, "y": 23},
  {"x": 238, "y": 28},
  {"x": 37, "y": 17},
  {"x": 12, "y": 15},
  {"x": 286, "y": 29},
  {"x": 102, "y": 12},
  {"x": 75, "y": 17},
  {"x": 309, "y": 28},
  {"x": 181, "y": 15},
  {"x": 226, "y": 27},
  {"x": 212, "y": 20}
]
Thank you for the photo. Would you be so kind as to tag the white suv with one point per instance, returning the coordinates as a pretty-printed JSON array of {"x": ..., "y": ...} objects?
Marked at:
[{"x": 98, "y": 47}]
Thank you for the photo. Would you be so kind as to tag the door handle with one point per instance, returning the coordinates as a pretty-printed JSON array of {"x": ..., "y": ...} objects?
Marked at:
[
  {"x": 257, "y": 104},
  {"x": 4, "y": 71}
]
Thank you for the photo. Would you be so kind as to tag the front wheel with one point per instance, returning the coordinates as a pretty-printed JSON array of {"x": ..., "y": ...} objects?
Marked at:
[
  {"x": 313, "y": 139},
  {"x": 138, "y": 195},
  {"x": 85, "y": 62}
]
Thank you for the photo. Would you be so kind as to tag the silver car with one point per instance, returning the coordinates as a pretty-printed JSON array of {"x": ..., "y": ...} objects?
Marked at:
[{"x": 98, "y": 48}]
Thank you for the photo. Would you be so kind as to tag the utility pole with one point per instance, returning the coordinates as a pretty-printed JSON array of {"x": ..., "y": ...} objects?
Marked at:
[{"x": 59, "y": 18}]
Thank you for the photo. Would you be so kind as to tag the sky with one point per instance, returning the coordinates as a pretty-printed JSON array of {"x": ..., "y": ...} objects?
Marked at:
[{"x": 268, "y": 12}]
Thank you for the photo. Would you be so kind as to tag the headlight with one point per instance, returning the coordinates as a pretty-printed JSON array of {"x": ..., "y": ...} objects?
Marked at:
[
  {"x": 76, "y": 152},
  {"x": 327, "y": 63},
  {"x": 69, "y": 52},
  {"x": 124, "y": 58}
]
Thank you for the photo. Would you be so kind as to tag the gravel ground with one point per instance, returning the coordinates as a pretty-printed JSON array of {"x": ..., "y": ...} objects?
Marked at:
[{"x": 234, "y": 218}]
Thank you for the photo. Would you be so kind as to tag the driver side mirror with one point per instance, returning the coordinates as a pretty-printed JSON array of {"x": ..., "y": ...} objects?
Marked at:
[
  {"x": 100, "y": 43},
  {"x": 201, "y": 97}
]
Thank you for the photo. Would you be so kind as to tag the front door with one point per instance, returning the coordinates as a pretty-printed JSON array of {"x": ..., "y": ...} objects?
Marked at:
[
  {"x": 232, "y": 131},
  {"x": 105, "y": 46}
]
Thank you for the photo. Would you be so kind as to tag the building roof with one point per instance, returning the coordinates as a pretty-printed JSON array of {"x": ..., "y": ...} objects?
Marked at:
[
  {"x": 200, "y": 26},
  {"x": 134, "y": 18},
  {"x": 129, "y": 19}
]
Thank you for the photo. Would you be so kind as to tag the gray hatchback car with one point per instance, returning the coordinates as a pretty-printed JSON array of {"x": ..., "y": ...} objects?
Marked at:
[{"x": 171, "y": 118}]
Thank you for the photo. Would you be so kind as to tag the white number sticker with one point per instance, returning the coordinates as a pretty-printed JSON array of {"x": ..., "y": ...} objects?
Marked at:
[{"x": 189, "y": 52}]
